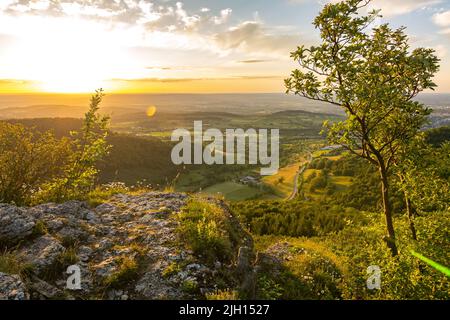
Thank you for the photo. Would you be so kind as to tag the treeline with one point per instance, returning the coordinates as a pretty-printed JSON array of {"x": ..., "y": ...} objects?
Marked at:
[
  {"x": 438, "y": 136},
  {"x": 293, "y": 218},
  {"x": 133, "y": 159},
  {"x": 130, "y": 159},
  {"x": 363, "y": 193}
]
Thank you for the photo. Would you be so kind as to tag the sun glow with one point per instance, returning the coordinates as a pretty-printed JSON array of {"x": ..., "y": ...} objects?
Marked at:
[{"x": 65, "y": 55}]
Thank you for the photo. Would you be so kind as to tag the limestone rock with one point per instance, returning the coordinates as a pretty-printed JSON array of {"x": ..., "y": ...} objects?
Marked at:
[
  {"x": 12, "y": 288},
  {"x": 42, "y": 253},
  {"x": 15, "y": 224}
]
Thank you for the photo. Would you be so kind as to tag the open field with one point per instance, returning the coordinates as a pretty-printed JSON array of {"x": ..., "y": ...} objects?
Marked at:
[
  {"x": 233, "y": 191},
  {"x": 283, "y": 182}
]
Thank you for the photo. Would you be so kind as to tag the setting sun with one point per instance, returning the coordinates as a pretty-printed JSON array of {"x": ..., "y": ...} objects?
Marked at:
[
  {"x": 142, "y": 46},
  {"x": 219, "y": 154}
]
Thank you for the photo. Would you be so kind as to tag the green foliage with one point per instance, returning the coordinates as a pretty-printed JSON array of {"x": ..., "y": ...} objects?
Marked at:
[
  {"x": 207, "y": 230},
  {"x": 189, "y": 286},
  {"x": 103, "y": 193},
  {"x": 39, "y": 229},
  {"x": 132, "y": 159},
  {"x": 66, "y": 258},
  {"x": 223, "y": 295},
  {"x": 308, "y": 270},
  {"x": 437, "y": 136},
  {"x": 374, "y": 77},
  {"x": 127, "y": 271},
  {"x": 268, "y": 288},
  {"x": 27, "y": 160},
  {"x": 172, "y": 269},
  {"x": 293, "y": 219},
  {"x": 10, "y": 263},
  {"x": 424, "y": 175},
  {"x": 319, "y": 182},
  {"x": 37, "y": 167},
  {"x": 89, "y": 146},
  {"x": 405, "y": 277}
]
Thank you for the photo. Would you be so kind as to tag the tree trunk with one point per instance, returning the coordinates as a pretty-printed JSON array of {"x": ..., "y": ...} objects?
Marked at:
[
  {"x": 390, "y": 239},
  {"x": 410, "y": 211}
]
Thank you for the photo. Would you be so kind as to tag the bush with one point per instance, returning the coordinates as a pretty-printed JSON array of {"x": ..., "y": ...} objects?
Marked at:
[
  {"x": 206, "y": 230},
  {"x": 223, "y": 295},
  {"x": 127, "y": 271},
  {"x": 10, "y": 263},
  {"x": 28, "y": 159},
  {"x": 404, "y": 277},
  {"x": 36, "y": 167},
  {"x": 308, "y": 270}
]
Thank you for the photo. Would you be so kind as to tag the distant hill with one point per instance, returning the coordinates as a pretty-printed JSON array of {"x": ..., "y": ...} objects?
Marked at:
[
  {"x": 134, "y": 159},
  {"x": 131, "y": 159}
]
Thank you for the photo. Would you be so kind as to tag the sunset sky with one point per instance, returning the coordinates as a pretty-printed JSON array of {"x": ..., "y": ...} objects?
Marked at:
[{"x": 169, "y": 46}]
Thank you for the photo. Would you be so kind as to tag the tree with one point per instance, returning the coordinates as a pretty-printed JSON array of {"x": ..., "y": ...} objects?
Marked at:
[
  {"x": 37, "y": 167},
  {"x": 423, "y": 173},
  {"x": 89, "y": 146},
  {"x": 373, "y": 76}
]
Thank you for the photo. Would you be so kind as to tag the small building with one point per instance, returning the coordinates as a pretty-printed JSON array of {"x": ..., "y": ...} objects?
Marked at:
[
  {"x": 330, "y": 148},
  {"x": 249, "y": 180}
]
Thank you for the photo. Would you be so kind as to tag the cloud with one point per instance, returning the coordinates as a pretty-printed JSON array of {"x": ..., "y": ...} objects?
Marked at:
[
  {"x": 16, "y": 85},
  {"x": 254, "y": 61},
  {"x": 252, "y": 36},
  {"x": 442, "y": 19},
  {"x": 391, "y": 8},
  {"x": 223, "y": 18},
  {"x": 163, "y": 25},
  {"x": 441, "y": 51},
  {"x": 399, "y": 7},
  {"x": 167, "y": 68},
  {"x": 172, "y": 80}
]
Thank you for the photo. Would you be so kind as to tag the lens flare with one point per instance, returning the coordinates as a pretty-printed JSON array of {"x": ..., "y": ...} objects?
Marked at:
[
  {"x": 151, "y": 111},
  {"x": 431, "y": 263}
]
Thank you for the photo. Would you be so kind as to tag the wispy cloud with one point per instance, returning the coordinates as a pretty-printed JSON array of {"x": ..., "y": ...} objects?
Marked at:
[
  {"x": 254, "y": 37},
  {"x": 399, "y": 7},
  {"x": 391, "y": 8},
  {"x": 172, "y": 80},
  {"x": 254, "y": 61}
]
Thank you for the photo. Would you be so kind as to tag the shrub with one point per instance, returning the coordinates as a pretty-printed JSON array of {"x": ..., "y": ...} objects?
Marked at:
[
  {"x": 223, "y": 295},
  {"x": 206, "y": 229},
  {"x": 9, "y": 263},
  {"x": 88, "y": 146},
  {"x": 66, "y": 258},
  {"x": 36, "y": 167},
  {"x": 405, "y": 277},
  {"x": 28, "y": 159},
  {"x": 189, "y": 286},
  {"x": 172, "y": 269},
  {"x": 308, "y": 270},
  {"x": 127, "y": 271},
  {"x": 39, "y": 229}
]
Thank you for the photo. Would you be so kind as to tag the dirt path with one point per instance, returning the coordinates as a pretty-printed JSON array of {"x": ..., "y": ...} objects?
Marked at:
[{"x": 297, "y": 176}]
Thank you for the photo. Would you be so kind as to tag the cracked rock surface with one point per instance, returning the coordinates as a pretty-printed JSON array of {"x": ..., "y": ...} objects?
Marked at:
[{"x": 123, "y": 249}]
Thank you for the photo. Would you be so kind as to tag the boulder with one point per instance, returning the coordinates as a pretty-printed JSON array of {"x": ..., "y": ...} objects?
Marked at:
[
  {"x": 15, "y": 224},
  {"x": 12, "y": 288},
  {"x": 42, "y": 253}
]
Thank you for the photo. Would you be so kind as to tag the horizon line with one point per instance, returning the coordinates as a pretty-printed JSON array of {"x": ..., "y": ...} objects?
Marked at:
[{"x": 159, "y": 93}]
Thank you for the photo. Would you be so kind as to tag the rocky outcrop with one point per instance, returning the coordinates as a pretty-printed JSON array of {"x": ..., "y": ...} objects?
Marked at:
[
  {"x": 127, "y": 248},
  {"x": 15, "y": 224},
  {"x": 12, "y": 287},
  {"x": 41, "y": 253}
]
